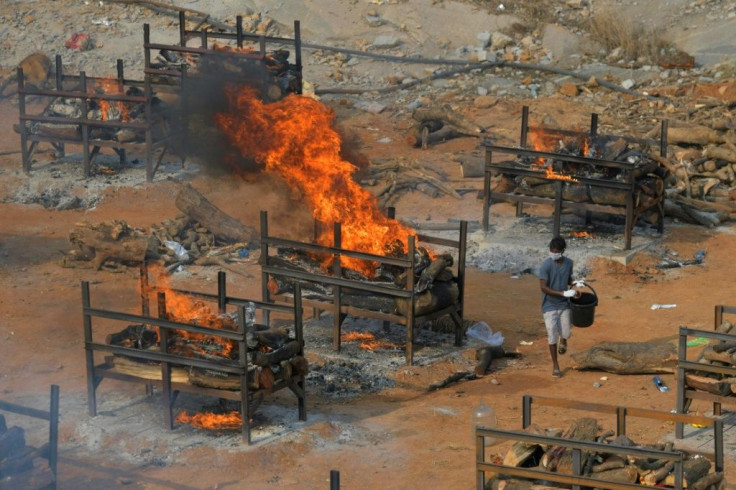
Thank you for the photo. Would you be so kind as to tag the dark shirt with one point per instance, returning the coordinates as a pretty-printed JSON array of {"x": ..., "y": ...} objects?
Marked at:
[{"x": 558, "y": 278}]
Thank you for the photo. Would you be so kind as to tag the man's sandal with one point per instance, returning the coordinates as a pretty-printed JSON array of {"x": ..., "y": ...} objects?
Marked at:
[
  {"x": 557, "y": 373},
  {"x": 562, "y": 346}
]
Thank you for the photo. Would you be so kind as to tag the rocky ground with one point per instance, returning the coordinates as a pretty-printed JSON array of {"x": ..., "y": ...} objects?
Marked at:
[{"x": 387, "y": 430}]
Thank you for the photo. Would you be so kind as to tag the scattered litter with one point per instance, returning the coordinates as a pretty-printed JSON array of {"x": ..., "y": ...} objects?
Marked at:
[
  {"x": 79, "y": 41},
  {"x": 179, "y": 251},
  {"x": 660, "y": 384},
  {"x": 663, "y": 307},
  {"x": 481, "y": 331},
  {"x": 524, "y": 342},
  {"x": 445, "y": 411},
  {"x": 515, "y": 276},
  {"x": 697, "y": 342},
  {"x": 243, "y": 253},
  {"x": 604, "y": 378},
  {"x": 596, "y": 385}
]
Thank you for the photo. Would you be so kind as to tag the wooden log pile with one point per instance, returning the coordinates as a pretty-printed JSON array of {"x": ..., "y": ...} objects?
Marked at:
[
  {"x": 702, "y": 185},
  {"x": 716, "y": 353},
  {"x": 202, "y": 235},
  {"x": 602, "y": 465},
  {"x": 273, "y": 353},
  {"x": 21, "y": 465}
]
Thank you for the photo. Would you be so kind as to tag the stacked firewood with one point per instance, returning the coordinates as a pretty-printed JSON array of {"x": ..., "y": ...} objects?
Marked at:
[
  {"x": 716, "y": 353},
  {"x": 21, "y": 465},
  {"x": 273, "y": 353},
  {"x": 702, "y": 188},
  {"x": 602, "y": 465}
]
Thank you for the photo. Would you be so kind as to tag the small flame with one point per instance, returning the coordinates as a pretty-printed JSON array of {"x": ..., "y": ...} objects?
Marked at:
[
  {"x": 212, "y": 421},
  {"x": 542, "y": 140},
  {"x": 368, "y": 341},
  {"x": 110, "y": 108},
  {"x": 582, "y": 234}
]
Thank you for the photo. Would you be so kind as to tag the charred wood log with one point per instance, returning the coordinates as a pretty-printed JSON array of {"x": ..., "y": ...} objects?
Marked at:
[
  {"x": 283, "y": 353},
  {"x": 225, "y": 228},
  {"x": 628, "y": 357}
]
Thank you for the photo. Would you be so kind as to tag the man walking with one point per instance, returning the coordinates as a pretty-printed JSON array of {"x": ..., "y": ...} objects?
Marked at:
[{"x": 555, "y": 279}]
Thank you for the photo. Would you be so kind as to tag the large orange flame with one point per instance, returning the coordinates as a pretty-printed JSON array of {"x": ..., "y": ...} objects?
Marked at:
[
  {"x": 184, "y": 309},
  {"x": 294, "y": 138}
]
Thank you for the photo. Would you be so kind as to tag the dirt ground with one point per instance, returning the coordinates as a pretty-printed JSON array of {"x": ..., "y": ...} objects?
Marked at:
[{"x": 401, "y": 437}]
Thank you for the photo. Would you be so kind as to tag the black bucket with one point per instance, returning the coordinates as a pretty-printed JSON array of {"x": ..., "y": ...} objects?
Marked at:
[{"x": 583, "y": 309}]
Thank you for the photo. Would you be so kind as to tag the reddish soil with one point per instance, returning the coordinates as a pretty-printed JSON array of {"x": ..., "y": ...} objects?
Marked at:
[{"x": 406, "y": 437}]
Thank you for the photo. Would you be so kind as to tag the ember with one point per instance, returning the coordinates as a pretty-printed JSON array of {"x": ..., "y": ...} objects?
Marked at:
[
  {"x": 368, "y": 341},
  {"x": 212, "y": 421}
]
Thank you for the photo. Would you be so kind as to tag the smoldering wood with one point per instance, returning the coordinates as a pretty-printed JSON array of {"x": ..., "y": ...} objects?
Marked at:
[
  {"x": 442, "y": 295},
  {"x": 226, "y": 228},
  {"x": 440, "y": 264},
  {"x": 628, "y": 358},
  {"x": 283, "y": 353},
  {"x": 655, "y": 476}
]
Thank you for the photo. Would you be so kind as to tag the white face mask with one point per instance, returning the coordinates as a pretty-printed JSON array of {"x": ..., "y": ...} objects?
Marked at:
[{"x": 555, "y": 255}]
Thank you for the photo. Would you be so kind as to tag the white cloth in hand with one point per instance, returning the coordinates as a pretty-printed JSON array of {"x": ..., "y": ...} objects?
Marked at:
[
  {"x": 579, "y": 283},
  {"x": 569, "y": 293}
]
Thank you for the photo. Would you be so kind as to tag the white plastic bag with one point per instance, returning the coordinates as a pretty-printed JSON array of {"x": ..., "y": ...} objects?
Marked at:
[
  {"x": 481, "y": 331},
  {"x": 179, "y": 251}
]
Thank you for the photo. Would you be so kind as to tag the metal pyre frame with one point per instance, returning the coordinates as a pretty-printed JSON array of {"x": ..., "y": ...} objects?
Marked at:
[
  {"x": 50, "y": 452},
  {"x": 340, "y": 285},
  {"x": 248, "y": 397},
  {"x": 153, "y": 128},
  {"x": 685, "y": 394},
  {"x": 578, "y": 447},
  {"x": 627, "y": 185}
]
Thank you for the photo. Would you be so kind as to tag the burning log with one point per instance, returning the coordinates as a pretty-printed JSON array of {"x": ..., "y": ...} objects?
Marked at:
[
  {"x": 225, "y": 228},
  {"x": 628, "y": 357}
]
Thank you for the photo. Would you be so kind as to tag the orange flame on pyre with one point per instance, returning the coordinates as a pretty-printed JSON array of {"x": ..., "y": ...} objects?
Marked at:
[
  {"x": 368, "y": 341},
  {"x": 184, "y": 309},
  {"x": 111, "y": 108},
  {"x": 582, "y": 234},
  {"x": 212, "y": 421},
  {"x": 542, "y": 140},
  {"x": 294, "y": 138}
]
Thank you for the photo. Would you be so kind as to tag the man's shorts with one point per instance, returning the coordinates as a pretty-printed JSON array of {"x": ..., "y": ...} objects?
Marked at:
[{"x": 558, "y": 323}]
